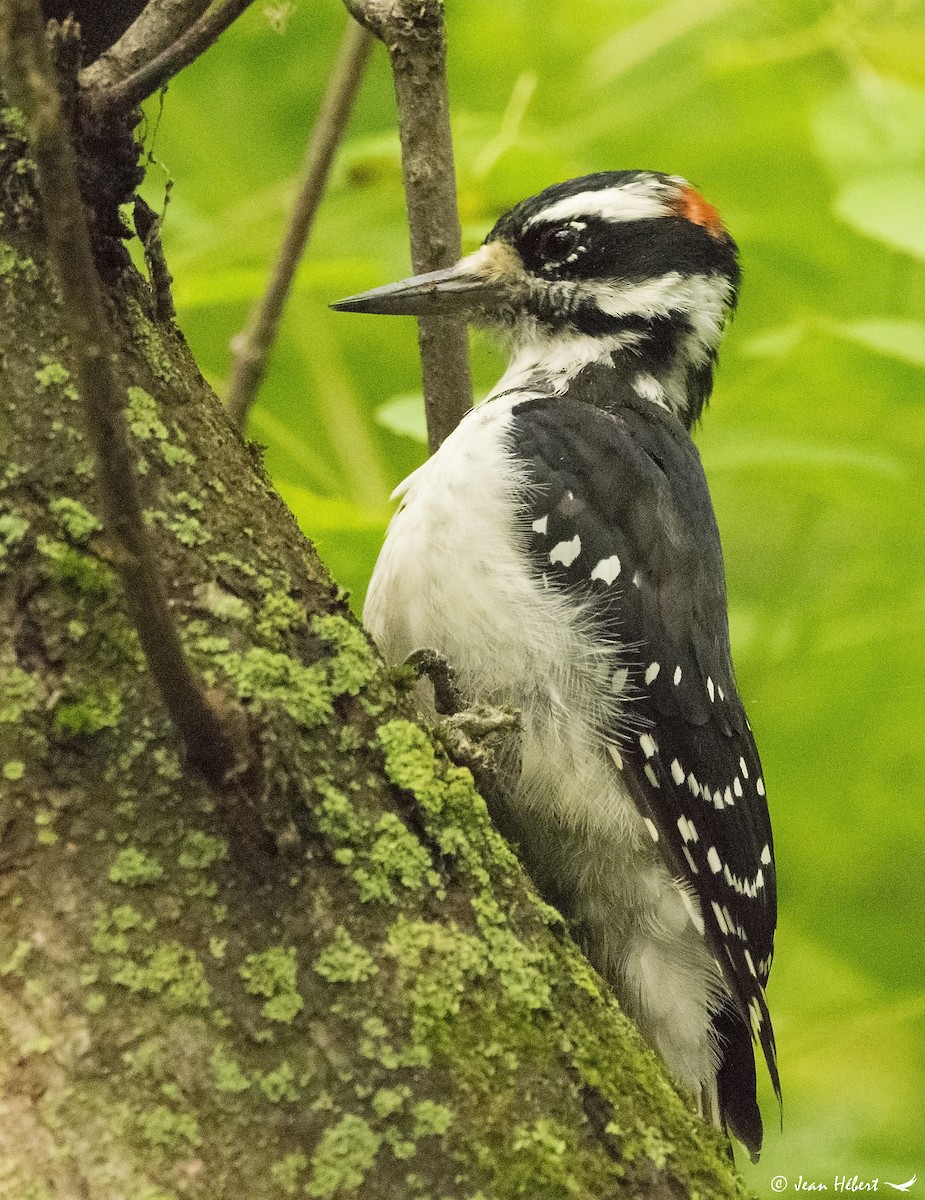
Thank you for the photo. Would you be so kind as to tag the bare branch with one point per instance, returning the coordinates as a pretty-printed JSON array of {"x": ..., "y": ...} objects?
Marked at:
[
  {"x": 158, "y": 25},
  {"x": 30, "y": 80},
  {"x": 155, "y": 73},
  {"x": 414, "y": 35},
  {"x": 251, "y": 348},
  {"x": 148, "y": 227}
]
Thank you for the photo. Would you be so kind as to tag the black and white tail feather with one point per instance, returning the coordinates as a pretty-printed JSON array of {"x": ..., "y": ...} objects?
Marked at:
[{"x": 560, "y": 550}]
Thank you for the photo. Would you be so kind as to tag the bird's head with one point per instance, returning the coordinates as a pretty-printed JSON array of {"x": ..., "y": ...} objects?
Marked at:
[{"x": 632, "y": 269}]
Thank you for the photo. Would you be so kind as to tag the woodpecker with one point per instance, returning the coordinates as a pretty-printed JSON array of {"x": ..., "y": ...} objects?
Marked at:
[{"x": 560, "y": 551}]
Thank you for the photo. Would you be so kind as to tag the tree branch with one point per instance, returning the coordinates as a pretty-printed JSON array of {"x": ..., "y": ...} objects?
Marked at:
[
  {"x": 158, "y": 25},
  {"x": 159, "y": 70},
  {"x": 414, "y": 35},
  {"x": 29, "y": 77},
  {"x": 251, "y": 348}
]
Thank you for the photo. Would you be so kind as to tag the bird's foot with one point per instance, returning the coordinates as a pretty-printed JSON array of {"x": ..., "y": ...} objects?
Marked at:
[
  {"x": 480, "y": 737},
  {"x": 481, "y": 732},
  {"x": 432, "y": 663}
]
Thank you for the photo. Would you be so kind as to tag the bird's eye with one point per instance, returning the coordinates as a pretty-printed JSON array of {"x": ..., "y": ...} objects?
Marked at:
[{"x": 555, "y": 245}]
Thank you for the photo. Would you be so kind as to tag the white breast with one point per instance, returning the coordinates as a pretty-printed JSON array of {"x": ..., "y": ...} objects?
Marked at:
[{"x": 454, "y": 576}]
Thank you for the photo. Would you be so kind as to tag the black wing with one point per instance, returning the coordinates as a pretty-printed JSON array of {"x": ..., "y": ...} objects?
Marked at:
[{"x": 627, "y": 483}]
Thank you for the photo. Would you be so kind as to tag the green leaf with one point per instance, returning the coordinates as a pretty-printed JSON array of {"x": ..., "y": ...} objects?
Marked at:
[
  {"x": 729, "y": 453},
  {"x": 874, "y": 123},
  {"x": 896, "y": 338},
  {"x": 325, "y": 514},
  {"x": 773, "y": 343},
  {"x": 889, "y": 208},
  {"x": 404, "y": 415},
  {"x": 346, "y": 535},
  {"x": 214, "y": 283}
]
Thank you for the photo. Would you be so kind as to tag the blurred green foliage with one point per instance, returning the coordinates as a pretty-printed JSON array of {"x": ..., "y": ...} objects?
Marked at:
[{"x": 804, "y": 122}]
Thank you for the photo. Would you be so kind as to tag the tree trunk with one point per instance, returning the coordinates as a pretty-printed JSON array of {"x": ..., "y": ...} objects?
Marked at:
[{"x": 335, "y": 982}]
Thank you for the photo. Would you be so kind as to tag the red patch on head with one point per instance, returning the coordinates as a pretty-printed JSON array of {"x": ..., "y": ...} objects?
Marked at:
[{"x": 691, "y": 205}]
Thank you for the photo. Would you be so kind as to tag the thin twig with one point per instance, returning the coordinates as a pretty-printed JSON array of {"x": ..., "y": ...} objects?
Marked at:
[
  {"x": 157, "y": 26},
  {"x": 119, "y": 97},
  {"x": 30, "y": 81},
  {"x": 251, "y": 347},
  {"x": 148, "y": 227},
  {"x": 414, "y": 34}
]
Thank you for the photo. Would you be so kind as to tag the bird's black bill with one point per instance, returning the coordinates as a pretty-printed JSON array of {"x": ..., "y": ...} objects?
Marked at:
[{"x": 455, "y": 290}]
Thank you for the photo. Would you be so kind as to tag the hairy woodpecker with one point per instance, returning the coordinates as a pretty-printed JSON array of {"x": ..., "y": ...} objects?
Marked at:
[{"x": 561, "y": 552}]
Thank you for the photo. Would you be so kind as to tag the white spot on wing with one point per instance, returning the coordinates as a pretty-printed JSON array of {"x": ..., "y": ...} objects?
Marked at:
[
  {"x": 713, "y": 860},
  {"x": 720, "y": 919},
  {"x": 652, "y": 671},
  {"x": 650, "y": 775},
  {"x": 737, "y": 786},
  {"x": 711, "y": 689},
  {"x": 766, "y": 855},
  {"x": 677, "y": 676},
  {"x": 636, "y": 579},
  {"x": 677, "y": 772},
  {"x": 759, "y": 786},
  {"x": 607, "y": 569},
  {"x": 650, "y": 825},
  {"x": 539, "y": 525},
  {"x": 566, "y": 552},
  {"x": 743, "y": 767},
  {"x": 647, "y": 745}
]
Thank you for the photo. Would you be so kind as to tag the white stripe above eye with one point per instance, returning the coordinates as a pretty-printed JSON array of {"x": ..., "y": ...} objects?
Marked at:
[{"x": 631, "y": 202}]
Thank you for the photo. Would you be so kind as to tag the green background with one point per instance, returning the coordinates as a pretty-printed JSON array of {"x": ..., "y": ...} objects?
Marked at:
[{"x": 805, "y": 124}]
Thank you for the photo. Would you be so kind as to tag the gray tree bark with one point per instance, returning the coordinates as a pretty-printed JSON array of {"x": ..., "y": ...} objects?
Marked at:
[{"x": 335, "y": 981}]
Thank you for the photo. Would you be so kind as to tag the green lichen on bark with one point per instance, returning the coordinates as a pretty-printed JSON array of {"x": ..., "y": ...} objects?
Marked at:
[
  {"x": 343, "y": 961},
  {"x": 75, "y": 519},
  {"x": 227, "y": 1074},
  {"x": 271, "y": 973},
  {"x": 345, "y": 1155},
  {"x": 134, "y": 868},
  {"x": 53, "y": 375}
]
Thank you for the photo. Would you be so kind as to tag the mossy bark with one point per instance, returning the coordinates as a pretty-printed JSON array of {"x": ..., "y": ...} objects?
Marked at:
[{"x": 338, "y": 984}]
